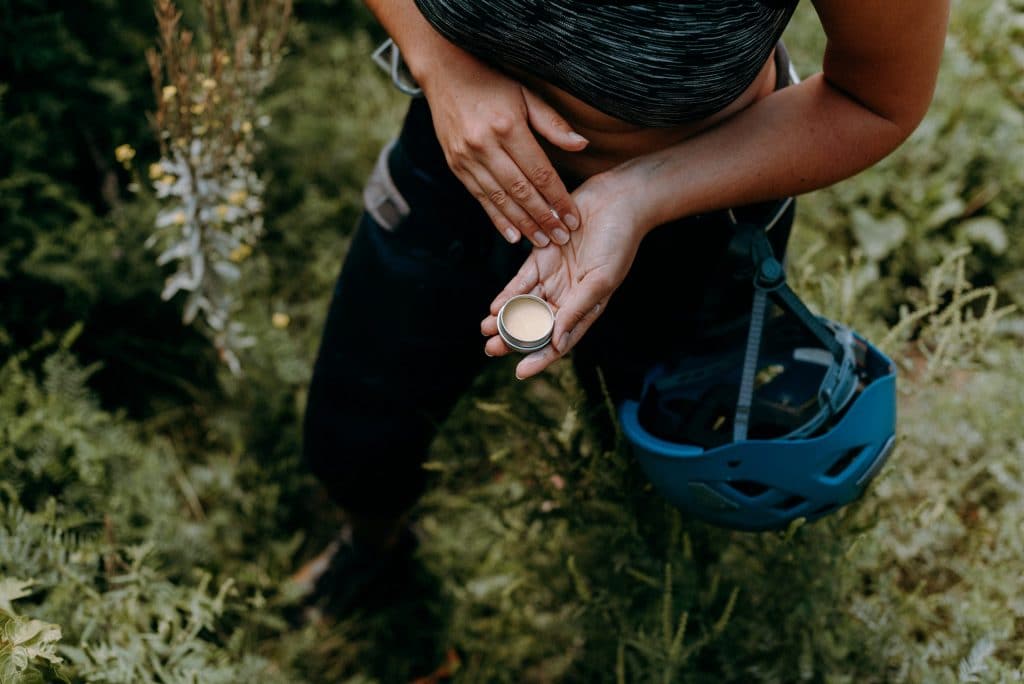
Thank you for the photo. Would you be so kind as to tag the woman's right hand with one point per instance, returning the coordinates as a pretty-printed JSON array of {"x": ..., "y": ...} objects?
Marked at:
[{"x": 483, "y": 121}]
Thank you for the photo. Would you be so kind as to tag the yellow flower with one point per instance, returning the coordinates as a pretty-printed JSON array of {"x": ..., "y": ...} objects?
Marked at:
[
  {"x": 237, "y": 197},
  {"x": 179, "y": 218},
  {"x": 124, "y": 153},
  {"x": 209, "y": 83},
  {"x": 222, "y": 211},
  {"x": 169, "y": 92},
  {"x": 246, "y": 127},
  {"x": 155, "y": 171},
  {"x": 240, "y": 253},
  {"x": 168, "y": 179},
  {"x": 198, "y": 108},
  {"x": 280, "y": 320}
]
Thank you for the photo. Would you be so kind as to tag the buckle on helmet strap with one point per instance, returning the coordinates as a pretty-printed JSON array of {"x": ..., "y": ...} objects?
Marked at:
[
  {"x": 769, "y": 277},
  {"x": 750, "y": 245}
]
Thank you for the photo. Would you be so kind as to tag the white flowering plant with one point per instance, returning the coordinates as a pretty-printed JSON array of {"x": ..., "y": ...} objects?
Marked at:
[{"x": 207, "y": 118}]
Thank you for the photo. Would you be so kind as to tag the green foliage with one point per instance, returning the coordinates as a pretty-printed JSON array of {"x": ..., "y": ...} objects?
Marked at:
[
  {"x": 26, "y": 645},
  {"x": 72, "y": 86},
  {"x": 129, "y": 623}
]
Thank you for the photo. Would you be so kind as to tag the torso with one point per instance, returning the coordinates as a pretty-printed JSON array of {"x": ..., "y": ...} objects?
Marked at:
[
  {"x": 631, "y": 77},
  {"x": 612, "y": 140}
]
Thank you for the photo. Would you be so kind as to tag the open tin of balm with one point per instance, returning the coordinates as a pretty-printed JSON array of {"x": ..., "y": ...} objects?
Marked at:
[{"x": 526, "y": 322}]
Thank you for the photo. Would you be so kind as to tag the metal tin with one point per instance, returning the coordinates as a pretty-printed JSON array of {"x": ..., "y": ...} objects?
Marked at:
[{"x": 517, "y": 344}]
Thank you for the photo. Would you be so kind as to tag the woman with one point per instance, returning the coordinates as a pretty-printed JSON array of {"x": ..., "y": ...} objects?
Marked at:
[{"x": 580, "y": 149}]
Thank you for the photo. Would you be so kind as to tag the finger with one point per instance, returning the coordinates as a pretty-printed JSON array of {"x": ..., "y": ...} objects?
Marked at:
[
  {"x": 508, "y": 205},
  {"x": 549, "y": 123},
  {"x": 496, "y": 346},
  {"x": 577, "y": 333},
  {"x": 536, "y": 168},
  {"x": 523, "y": 283},
  {"x": 500, "y": 221},
  {"x": 536, "y": 362},
  {"x": 579, "y": 311},
  {"x": 527, "y": 191}
]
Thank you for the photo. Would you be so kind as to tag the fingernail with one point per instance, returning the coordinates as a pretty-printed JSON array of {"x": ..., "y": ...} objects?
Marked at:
[
  {"x": 577, "y": 138},
  {"x": 572, "y": 222},
  {"x": 541, "y": 240},
  {"x": 487, "y": 353},
  {"x": 517, "y": 375},
  {"x": 563, "y": 342},
  {"x": 561, "y": 237},
  {"x": 512, "y": 235}
]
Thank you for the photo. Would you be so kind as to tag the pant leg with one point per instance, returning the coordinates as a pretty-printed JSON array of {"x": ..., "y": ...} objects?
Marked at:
[{"x": 402, "y": 339}]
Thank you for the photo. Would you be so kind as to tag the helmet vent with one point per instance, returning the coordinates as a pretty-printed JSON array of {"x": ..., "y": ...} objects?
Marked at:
[
  {"x": 791, "y": 503},
  {"x": 749, "y": 487},
  {"x": 844, "y": 461}
]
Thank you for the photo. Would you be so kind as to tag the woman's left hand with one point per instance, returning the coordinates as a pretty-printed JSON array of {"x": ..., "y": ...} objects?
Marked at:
[{"x": 577, "y": 279}]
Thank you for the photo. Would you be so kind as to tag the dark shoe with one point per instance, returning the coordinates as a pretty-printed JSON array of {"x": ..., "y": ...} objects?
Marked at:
[{"x": 348, "y": 572}]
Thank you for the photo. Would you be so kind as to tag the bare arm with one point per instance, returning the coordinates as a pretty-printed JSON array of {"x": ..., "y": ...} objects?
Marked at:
[
  {"x": 880, "y": 68},
  {"x": 483, "y": 121},
  {"x": 425, "y": 51}
]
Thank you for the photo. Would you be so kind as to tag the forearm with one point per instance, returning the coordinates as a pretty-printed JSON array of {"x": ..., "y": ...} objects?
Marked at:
[
  {"x": 798, "y": 139},
  {"x": 425, "y": 51}
]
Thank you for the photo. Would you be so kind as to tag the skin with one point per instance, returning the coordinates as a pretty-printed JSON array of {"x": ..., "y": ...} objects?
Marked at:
[{"x": 877, "y": 80}]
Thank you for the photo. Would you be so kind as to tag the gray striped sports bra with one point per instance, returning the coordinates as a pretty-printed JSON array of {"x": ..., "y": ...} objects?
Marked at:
[{"x": 650, "y": 63}]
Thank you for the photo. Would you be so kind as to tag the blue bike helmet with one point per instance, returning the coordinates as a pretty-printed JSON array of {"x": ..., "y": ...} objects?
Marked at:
[{"x": 792, "y": 424}]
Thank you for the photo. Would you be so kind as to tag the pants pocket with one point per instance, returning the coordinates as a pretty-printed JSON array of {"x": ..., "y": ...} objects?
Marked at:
[{"x": 381, "y": 197}]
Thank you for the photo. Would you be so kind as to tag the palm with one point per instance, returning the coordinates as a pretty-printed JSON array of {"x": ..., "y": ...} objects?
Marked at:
[
  {"x": 578, "y": 278},
  {"x": 595, "y": 259}
]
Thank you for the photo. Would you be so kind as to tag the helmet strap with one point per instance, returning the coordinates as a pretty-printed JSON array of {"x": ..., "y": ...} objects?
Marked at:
[
  {"x": 741, "y": 422},
  {"x": 750, "y": 245}
]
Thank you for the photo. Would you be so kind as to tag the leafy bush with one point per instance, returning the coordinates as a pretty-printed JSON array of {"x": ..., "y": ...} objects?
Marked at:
[{"x": 93, "y": 529}]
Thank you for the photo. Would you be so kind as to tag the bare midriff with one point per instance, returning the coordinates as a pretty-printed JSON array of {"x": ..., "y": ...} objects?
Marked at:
[{"x": 614, "y": 141}]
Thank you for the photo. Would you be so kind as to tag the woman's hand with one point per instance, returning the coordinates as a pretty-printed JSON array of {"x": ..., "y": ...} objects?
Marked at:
[
  {"x": 576, "y": 279},
  {"x": 483, "y": 121}
]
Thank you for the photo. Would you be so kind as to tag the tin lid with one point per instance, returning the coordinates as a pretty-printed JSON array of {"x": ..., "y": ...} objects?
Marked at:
[{"x": 532, "y": 328}]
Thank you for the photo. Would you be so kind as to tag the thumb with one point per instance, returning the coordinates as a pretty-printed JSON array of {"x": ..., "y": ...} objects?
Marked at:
[
  {"x": 575, "y": 317},
  {"x": 552, "y": 125}
]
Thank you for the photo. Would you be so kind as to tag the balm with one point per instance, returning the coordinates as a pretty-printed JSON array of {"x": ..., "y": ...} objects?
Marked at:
[{"x": 525, "y": 323}]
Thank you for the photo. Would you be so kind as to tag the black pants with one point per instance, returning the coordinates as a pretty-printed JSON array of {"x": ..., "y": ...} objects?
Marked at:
[{"x": 402, "y": 340}]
